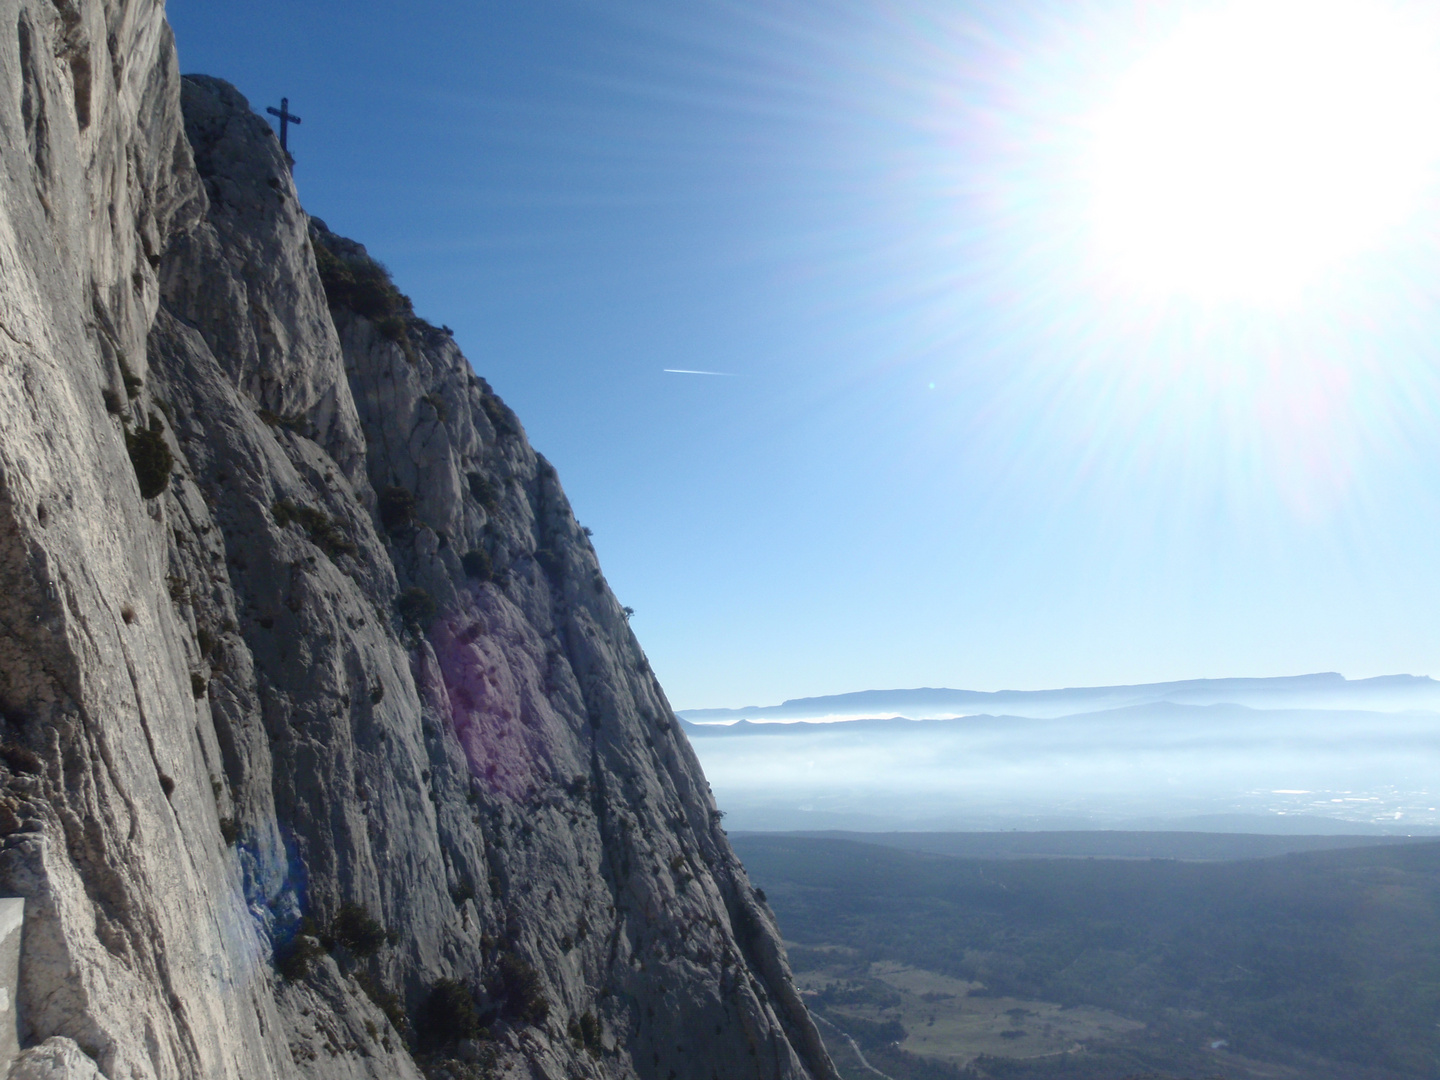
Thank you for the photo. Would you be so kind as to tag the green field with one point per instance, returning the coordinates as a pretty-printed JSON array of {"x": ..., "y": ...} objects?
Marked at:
[{"x": 1323, "y": 965}]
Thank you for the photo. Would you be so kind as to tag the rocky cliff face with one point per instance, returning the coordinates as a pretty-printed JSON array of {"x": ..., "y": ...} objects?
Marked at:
[{"x": 327, "y": 750}]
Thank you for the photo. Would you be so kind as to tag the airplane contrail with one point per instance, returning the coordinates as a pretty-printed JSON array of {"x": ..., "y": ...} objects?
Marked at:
[{"x": 687, "y": 371}]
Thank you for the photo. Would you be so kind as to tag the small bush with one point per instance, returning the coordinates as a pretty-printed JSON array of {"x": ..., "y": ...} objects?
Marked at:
[
  {"x": 523, "y": 992},
  {"x": 388, "y": 1002},
  {"x": 198, "y": 685},
  {"x": 450, "y": 1014},
  {"x": 483, "y": 491},
  {"x": 355, "y": 929},
  {"x": 205, "y": 640},
  {"x": 293, "y": 959},
  {"x": 501, "y": 418},
  {"x": 324, "y": 532},
  {"x": 150, "y": 457},
  {"x": 360, "y": 284},
  {"x": 477, "y": 565},
  {"x": 397, "y": 508},
  {"x": 229, "y": 831},
  {"x": 585, "y": 1031},
  {"x": 113, "y": 405},
  {"x": 296, "y": 423},
  {"x": 436, "y": 402},
  {"x": 416, "y": 608},
  {"x": 132, "y": 382}
]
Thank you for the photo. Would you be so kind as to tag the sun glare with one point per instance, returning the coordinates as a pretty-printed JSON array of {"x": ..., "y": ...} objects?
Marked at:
[{"x": 1263, "y": 144}]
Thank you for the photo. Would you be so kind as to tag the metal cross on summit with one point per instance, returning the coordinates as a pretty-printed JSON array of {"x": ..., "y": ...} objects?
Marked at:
[{"x": 286, "y": 118}]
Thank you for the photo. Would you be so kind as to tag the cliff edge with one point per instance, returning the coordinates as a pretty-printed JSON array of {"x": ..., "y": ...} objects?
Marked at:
[{"x": 326, "y": 749}]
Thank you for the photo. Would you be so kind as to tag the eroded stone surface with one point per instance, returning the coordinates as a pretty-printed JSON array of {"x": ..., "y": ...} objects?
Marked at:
[{"x": 230, "y": 713}]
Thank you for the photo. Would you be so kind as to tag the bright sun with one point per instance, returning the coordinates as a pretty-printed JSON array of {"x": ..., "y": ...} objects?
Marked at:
[{"x": 1262, "y": 144}]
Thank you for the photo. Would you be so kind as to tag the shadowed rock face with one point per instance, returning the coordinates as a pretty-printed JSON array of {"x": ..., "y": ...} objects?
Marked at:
[{"x": 336, "y": 757}]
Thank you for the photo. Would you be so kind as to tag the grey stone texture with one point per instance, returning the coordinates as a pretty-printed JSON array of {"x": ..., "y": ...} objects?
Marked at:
[{"x": 352, "y": 660}]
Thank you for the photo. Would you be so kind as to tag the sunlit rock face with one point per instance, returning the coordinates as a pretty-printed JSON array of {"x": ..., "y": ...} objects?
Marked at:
[{"x": 326, "y": 749}]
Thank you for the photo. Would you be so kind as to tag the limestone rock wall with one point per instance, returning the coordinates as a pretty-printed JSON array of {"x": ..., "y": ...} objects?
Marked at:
[{"x": 326, "y": 749}]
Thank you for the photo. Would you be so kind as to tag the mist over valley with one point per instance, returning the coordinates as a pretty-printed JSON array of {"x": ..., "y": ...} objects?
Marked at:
[{"x": 1312, "y": 754}]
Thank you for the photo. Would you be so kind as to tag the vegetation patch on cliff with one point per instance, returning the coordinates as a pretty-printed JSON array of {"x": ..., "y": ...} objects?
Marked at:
[
  {"x": 150, "y": 457},
  {"x": 363, "y": 285}
]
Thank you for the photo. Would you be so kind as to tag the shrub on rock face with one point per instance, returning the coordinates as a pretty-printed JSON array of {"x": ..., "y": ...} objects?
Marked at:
[
  {"x": 360, "y": 284},
  {"x": 324, "y": 532},
  {"x": 483, "y": 491},
  {"x": 522, "y": 990},
  {"x": 150, "y": 457},
  {"x": 501, "y": 418},
  {"x": 416, "y": 608},
  {"x": 389, "y": 1002},
  {"x": 355, "y": 929},
  {"x": 450, "y": 1014},
  {"x": 477, "y": 565},
  {"x": 397, "y": 508},
  {"x": 293, "y": 959},
  {"x": 585, "y": 1031}
]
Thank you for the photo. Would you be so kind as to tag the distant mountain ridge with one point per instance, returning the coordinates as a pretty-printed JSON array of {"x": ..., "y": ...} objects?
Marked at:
[
  {"x": 1148, "y": 765},
  {"x": 1324, "y": 690}
]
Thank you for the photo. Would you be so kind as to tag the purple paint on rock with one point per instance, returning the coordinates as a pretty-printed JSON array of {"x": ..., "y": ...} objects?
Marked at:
[{"x": 491, "y": 693}]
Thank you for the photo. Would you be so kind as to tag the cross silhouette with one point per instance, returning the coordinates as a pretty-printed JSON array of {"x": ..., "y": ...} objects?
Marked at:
[{"x": 286, "y": 118}]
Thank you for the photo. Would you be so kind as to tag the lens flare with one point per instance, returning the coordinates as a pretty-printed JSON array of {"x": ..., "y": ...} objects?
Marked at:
[{"x": 1263, "y": 144}]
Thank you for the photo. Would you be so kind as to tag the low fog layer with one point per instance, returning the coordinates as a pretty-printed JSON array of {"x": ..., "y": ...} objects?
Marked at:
[{"x": 1158, "y": 765}]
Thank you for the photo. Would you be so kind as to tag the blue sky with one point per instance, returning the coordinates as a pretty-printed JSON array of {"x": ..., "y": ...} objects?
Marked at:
[{"x": 950, "y": 453}]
